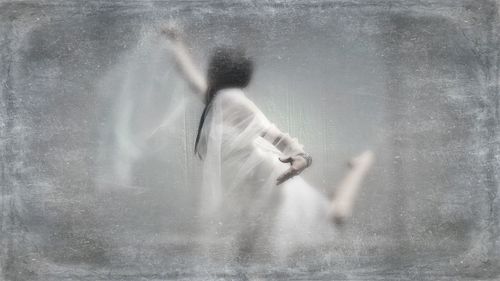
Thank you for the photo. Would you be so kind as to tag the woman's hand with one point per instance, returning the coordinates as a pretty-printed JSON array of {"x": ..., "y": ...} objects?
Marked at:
[
  {"x": 298, "y": 163},
  {"x": 171, "y": 33},
  {"x": 185, "y": 64}
]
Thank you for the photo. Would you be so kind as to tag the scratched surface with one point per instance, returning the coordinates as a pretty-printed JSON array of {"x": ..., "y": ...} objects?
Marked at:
[{"x": 84, "y": 197}]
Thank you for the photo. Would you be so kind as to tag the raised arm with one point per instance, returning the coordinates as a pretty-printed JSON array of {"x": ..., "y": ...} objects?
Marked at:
[{"x": 185, "y": 63}]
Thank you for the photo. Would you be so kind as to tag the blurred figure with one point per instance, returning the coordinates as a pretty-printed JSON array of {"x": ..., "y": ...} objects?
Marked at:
[{"x": 245, "y": 158}]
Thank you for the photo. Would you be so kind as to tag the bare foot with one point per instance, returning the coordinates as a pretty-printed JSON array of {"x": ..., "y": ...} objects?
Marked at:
[{"x": 365, "y": 157}]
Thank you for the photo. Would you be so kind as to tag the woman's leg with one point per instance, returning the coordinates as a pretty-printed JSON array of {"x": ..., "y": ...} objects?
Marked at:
[{"x": 341, "y": 205}]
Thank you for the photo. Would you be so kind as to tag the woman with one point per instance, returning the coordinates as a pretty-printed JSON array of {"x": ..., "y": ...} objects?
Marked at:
[{"x": 245, "y": 158}]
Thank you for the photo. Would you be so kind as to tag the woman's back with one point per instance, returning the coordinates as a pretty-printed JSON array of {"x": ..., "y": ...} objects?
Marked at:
[
  {"x": 240, "y": 171},
  {"x": 243, "y": 208}
]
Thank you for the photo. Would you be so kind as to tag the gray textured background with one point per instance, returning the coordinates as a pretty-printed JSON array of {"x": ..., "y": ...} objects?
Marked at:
[{"x": 416, "y": 81}]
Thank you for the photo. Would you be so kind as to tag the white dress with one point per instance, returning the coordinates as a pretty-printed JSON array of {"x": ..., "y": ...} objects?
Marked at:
[{"x": 243, "y": 208}]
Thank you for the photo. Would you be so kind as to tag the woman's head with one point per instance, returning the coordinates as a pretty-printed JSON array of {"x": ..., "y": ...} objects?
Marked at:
[{"x": 228, "y": 68}]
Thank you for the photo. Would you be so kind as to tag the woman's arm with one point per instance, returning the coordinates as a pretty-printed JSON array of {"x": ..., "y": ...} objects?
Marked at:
[
  {"x": 299, "y": 160},
  {"x": 245, "y": 112},
  {"x": 185, "y": 63}
]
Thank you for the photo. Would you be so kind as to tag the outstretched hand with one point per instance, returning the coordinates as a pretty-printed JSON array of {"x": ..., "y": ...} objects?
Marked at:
[
  {"x": 297, "y": 164},
  {"x": 171, "y": 32}
]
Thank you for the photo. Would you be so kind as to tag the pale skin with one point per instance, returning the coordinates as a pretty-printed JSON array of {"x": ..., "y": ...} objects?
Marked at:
[{"x": 359, "y": 166}]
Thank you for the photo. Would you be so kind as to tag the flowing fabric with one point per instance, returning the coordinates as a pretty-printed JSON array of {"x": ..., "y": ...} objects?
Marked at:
[
  {"x": 241, "y": 204},
  {"x": 146, "y": 114}
]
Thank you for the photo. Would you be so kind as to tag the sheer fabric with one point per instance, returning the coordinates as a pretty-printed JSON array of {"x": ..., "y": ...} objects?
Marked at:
[{"x": 242, "y": 206}]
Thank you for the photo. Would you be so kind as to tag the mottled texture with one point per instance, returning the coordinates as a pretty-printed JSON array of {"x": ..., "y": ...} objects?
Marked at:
[{"x": 416, "y": 81}]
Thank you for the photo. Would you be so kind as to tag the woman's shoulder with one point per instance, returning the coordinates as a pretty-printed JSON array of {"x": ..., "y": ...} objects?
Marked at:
[
  {"x": 231, "y": 93},
  {"x": 234, "y": 96}
]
